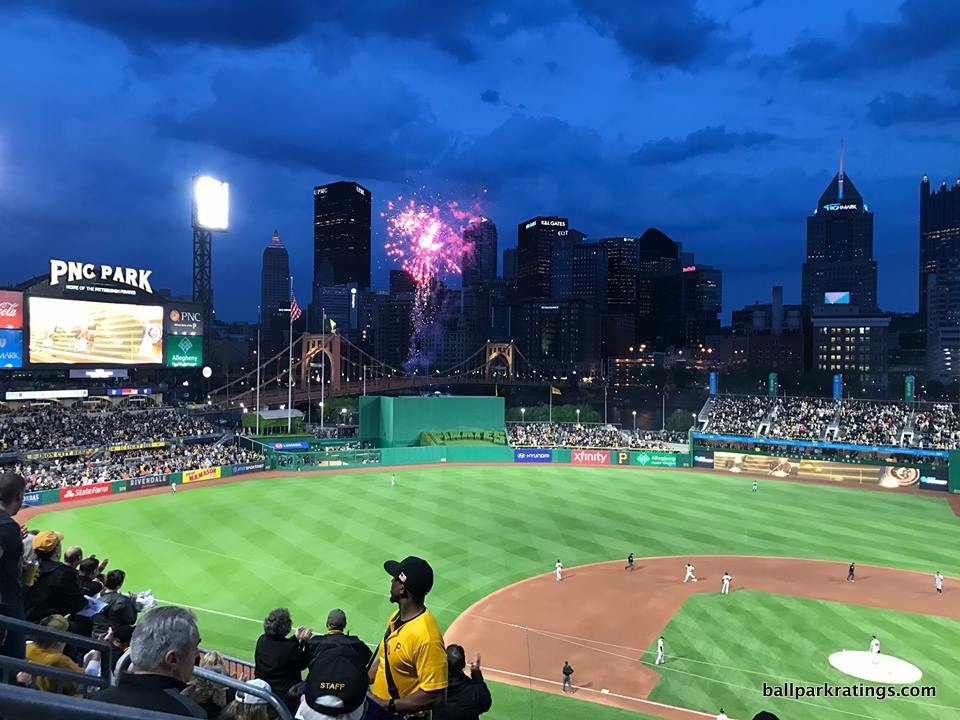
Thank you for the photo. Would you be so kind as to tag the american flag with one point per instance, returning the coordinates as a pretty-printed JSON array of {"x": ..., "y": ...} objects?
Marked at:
[{"x": 295, "y": 311}]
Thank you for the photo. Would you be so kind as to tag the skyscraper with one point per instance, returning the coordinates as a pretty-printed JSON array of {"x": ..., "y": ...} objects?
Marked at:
[
  {"x": 658, "y": 255},
  {"x": 274, "y": 296},
  {"x": 535, "y": 241},
  {"x": 622, "y": 264},
  {"x": 940, "y": 277},
  {"x": 510, "y": 265},
  {"x": 480, "y": 264},
  {"x": 341, "y": 235},
  {"x": 840, "y": 268}
]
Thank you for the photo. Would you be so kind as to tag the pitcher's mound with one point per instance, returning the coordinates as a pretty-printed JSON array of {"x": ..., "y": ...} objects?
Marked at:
[{"x": 876, "y": 667}]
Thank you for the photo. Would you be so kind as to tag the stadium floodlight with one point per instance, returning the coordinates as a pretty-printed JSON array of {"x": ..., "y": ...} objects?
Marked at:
[{"x": 211, "y": 203}]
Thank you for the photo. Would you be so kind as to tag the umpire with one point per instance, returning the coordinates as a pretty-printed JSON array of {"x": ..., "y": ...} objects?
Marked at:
[{"x": 467, "y": 697}]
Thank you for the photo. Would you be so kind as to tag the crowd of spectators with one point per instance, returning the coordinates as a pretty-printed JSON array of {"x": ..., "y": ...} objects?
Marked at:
[
  {"x": 855, "y": 422},
  {"x": 937, "y": 427},
  {"x": 62, "y": 472},
  {"x": 60, "y": 427},
  {"x": 588, "y": 436},
  {"x": 801, "y": 418},
  {"x": 864, "y": 422},
  {"x": 736, "y": 414}
]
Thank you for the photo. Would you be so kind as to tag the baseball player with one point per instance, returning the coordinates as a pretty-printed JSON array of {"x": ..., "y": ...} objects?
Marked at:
[
  {"x": 567, "y": 672},
  {"x": 725, "y": 587},
  {"x": 689, "y": 574},
  {"x": 659, "y": 660},
  {"x": 755, "y": 486},
  {"x": 851, "y": 572},
  {"x": 393, "y": 480},
  {"x": 629, "y": 562},
  {"x": 559, "y": 568},
  {"x": 938, "y": 582},
  {"x": 875, "y": 646},
  {"x": 722, "y": 715},
  {"x": 173, "y": 488}
]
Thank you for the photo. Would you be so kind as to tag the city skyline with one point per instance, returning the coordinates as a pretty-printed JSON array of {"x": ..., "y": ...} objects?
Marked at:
[{"x": 733, "y": 182}]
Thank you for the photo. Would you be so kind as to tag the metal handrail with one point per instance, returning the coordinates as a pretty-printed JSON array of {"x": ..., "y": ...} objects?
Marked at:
[
  {"x": 20, "y": 703},
  {"x": 278, "y": 706},
  {"x": 33, "y": 630}
]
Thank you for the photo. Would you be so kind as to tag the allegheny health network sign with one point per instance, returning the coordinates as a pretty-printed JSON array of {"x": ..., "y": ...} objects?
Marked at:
[{"x": 184, "y": 351}]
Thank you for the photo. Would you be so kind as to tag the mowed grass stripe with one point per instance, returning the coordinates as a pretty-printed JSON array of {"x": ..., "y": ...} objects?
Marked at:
[{"x": 314, "y": 542}]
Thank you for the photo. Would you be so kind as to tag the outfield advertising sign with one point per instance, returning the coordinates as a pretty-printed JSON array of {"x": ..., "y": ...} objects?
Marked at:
[
  {"x": 183, "y": 351},
  {"x": 81, "y": 492},
  {"x": 655, "y": 458},
  {"x": 703, "y": 458},
  {"x": 146, "y": 481},
  {"x": 590, "y": 457},
  {"x": 619, "y": 457},
  {"x": 291, "y": 445},
  {"x": 33, "y": 498},
  {"x": 192, "y": 476},
  {"x": 251, "y": 467},
  {"x": 533, "y": 456}
]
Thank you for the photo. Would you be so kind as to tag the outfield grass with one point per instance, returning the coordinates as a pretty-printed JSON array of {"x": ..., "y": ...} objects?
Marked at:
[
  {"x": 311, "y": 543},
  {"x": 721, "y": 649}
]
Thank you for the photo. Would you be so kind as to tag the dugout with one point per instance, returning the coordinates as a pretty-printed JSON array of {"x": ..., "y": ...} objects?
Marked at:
[{"x": 391, "y": 422}]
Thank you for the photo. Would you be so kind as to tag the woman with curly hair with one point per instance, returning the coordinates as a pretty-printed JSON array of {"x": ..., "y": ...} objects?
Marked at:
[
  {"x": 211, "y": 697},
  {"x": 279, "y": 659}
]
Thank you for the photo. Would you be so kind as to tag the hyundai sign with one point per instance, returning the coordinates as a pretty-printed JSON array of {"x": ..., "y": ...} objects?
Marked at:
[{"x": 533, "y": 456}]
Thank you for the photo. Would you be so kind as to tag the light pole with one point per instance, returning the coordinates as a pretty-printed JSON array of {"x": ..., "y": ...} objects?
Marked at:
[
  {"x": 343, "y": 416},
  {"x": 634, "y": 421},
  {"x": 523, "y": 414},
  {"x": 578, "y": 416}
]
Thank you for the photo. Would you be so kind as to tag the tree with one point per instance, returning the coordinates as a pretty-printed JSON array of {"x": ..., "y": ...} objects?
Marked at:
[{"x": 680, "y": 421}]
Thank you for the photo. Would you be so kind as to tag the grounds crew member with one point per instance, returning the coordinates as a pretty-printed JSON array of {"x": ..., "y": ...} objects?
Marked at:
[{"x": 410, "y": 671}]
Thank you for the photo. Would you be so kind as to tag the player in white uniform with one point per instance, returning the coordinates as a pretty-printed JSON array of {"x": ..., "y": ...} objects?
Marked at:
[
  {"x": 173, "y": 488},
  {"x": 938, "y": 582},
  {"x": 393, "y": 480},
  {"x": 725, "y": 588},
  {"x": 722, "y": 715},
  {"x": 659, "y": 660},
  {"x": 755, "y": 486},
  {"x": 689, "y": 574},
  {"x": 875, "y": 646},
  {"x": 559, "y": 568}
]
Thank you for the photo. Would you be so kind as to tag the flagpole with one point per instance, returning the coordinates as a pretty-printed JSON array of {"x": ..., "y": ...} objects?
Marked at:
[
  {"x": 259, "y": 359},
  {"x": 290, "y": 365},
  {"x": 323, "y": 364},
  {"x": 550, "y": 416}
]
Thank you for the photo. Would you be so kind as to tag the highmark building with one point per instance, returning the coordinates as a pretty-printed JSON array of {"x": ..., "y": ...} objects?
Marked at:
[{"x": 850, "y": 335}]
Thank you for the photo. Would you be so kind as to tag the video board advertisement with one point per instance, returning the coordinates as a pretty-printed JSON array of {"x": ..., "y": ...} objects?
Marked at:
[
  {"x": 184, "y": 351},
  {"x": 69, "y": 332},
  {"x": 11, "y": 349},
  {"x": 891, "y": 476},
  {"x": 11, "y": 310},
  {"x": 183, "y": 320}
]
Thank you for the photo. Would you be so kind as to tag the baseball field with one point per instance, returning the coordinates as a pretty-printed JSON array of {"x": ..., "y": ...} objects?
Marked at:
[{"x": 310, "y": 543}]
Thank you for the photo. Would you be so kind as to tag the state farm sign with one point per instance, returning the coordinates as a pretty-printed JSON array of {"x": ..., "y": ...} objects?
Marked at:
[
  {"x": 590, "y": 457},
  {"x": 80, "y": 492},
  {"x": 11, "y": 310}
]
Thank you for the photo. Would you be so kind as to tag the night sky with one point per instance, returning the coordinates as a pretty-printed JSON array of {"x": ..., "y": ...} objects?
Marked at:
[{"x": 717, "y": 122}]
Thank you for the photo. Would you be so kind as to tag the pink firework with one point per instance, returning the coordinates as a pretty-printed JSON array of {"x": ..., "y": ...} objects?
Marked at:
[{"x": 427, "y": 240}]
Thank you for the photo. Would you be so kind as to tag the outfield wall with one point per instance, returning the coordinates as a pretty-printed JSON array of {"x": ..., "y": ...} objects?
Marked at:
[{"x": 390, "y": 422}]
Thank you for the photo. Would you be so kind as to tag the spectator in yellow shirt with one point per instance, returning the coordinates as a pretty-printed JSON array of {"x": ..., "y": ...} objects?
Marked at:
[
  {"x": 410, "y": 673},
  {"x": 48, "y": 652}
]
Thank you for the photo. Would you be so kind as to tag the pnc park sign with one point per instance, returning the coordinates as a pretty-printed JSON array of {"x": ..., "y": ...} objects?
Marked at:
[{"x": 72, "y": 271}]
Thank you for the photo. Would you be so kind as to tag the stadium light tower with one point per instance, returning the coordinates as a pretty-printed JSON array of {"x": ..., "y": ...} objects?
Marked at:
[{"x": 210, "y": 214}]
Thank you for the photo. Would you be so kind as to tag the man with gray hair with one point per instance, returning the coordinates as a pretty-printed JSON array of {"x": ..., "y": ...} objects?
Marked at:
[{"x": 164, "y": 649}]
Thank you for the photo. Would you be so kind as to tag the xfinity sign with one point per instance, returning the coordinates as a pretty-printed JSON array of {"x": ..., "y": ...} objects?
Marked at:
[{"x": 70, "y": 271}]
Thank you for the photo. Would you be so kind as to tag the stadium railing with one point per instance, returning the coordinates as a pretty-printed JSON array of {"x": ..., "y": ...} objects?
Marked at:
[
  {"x": 11, "y": 666},
  {"x": 21, "y": 703}
]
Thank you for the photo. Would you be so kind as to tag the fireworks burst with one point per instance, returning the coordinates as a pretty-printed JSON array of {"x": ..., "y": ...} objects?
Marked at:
[{"x": 427, "y": 240}]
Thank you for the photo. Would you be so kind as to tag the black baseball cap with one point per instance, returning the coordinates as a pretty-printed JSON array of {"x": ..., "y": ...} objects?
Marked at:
[
  {"x": 337, "y": 682},
  {"x": 415, "y": 574}
]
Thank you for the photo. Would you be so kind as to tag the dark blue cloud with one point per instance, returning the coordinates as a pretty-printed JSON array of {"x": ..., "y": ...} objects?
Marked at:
[
  {"x": 350, "y": 127},
  {"x": 660, "y": 32},
  {"x": 490, "y": 96},
  {"x": 239, "y": 23},
  {"x": 923, "y": 29},
  {"x": 896, "y": 108},
  {"x": 707, "y": 141}
]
